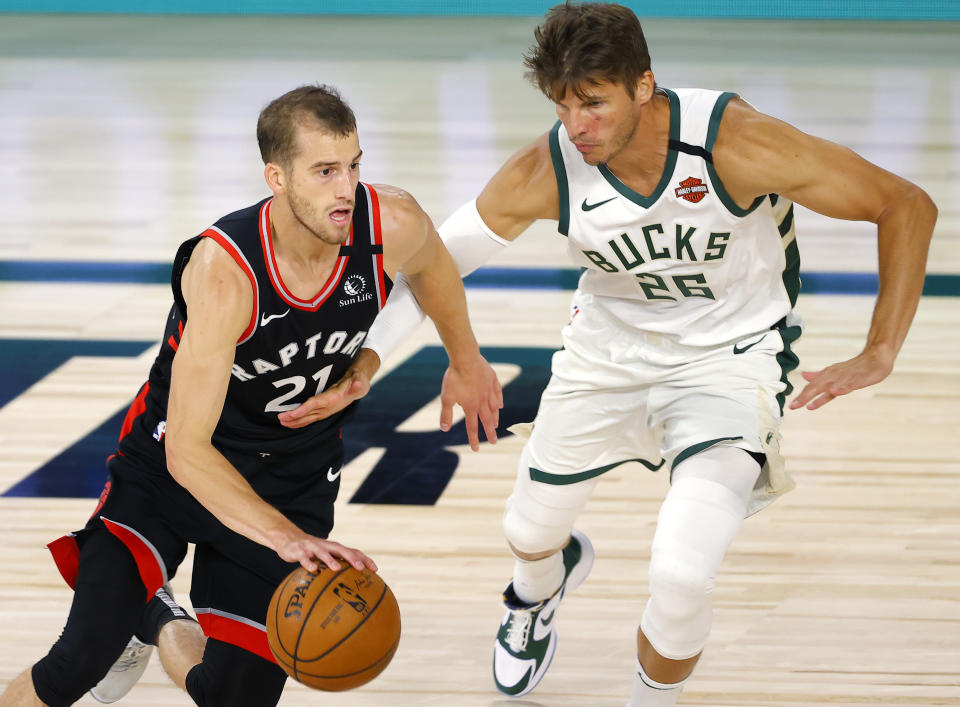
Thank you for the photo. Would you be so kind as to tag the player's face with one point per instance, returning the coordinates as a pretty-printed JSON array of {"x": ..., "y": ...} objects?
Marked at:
[
  {"x": 602, "y": 122},
  {"x": 322, "y": 182}
]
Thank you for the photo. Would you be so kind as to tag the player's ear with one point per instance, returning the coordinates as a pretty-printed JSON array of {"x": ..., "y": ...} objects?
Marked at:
[
  {"x": 645, "y": 87},
  {"x": 275, "y": 177}
]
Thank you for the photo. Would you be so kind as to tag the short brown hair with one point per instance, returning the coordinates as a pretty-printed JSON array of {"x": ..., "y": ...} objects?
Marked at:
[
  {"x": 586, "y": 43},
  {"x": 316, "y": 103}
]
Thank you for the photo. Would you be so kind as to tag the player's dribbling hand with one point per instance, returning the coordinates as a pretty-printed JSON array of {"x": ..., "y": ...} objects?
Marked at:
[
  {"x": 868, "y": 368},
  {"x": 353, "y": 386},
  {"x": 311, "y": 551},
  {"x": 475, "y": 387}
]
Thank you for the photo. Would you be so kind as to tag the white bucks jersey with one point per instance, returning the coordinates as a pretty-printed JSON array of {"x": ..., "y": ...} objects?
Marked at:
[{"x": 684, "y": 261}]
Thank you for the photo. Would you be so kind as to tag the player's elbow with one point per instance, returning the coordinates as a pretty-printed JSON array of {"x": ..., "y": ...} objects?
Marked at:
[
  {"x": 920, "y": 203},
  {"x": 177, "y": 452}
]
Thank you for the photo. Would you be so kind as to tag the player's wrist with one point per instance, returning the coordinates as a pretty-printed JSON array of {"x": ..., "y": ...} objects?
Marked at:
[{"x": 366, "y": 364}]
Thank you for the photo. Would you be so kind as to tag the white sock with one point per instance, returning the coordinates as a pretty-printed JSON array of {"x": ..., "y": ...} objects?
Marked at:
[
  {"x": 535, "y": 581},
  {"x": 647, "y": 692}
]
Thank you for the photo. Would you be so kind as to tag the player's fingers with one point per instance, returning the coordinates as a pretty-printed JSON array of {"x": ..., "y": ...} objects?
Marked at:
[
  {"x": 821, "y": 401},
  {"x": 490, "y": 420},
  {"x": 359, "y": 560},
  {"x": 810, "y": 375},
  {"x": 805, "y": 396},
  {"x": 473, "y": 430},
  {"x": 327, "y": 558},
  {"x": 307, "y": 562},
  {"x": 446, "y": 414},
  {"x": 301, "y": 422}
]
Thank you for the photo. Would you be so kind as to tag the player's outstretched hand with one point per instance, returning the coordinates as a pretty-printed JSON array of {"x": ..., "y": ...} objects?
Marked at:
[
  {"x": 475, "y": 388},
  {"x": 309, "y": 551},
  {"x": 353, "y": 386},
  {"x": 841, "y": 378}
]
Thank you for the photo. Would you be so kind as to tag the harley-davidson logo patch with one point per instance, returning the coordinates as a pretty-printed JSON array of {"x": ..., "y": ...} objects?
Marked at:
[{"x": 692, "y": 189}]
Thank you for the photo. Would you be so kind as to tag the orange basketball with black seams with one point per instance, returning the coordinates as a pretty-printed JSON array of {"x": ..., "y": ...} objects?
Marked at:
[{"x": 333, "y": 629}]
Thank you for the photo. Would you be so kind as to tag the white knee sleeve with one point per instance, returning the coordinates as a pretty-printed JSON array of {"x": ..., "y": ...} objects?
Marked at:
[
  {"x": 697, "y": 522},
  {"x": 539, "y": 516}
]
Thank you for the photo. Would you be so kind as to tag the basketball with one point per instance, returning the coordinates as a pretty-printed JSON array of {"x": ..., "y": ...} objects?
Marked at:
[{"x": 333, "y": 629}]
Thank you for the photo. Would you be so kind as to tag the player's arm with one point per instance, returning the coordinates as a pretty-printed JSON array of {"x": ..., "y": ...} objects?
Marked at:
[
  {"x": 522, "y": 191},
  {"x": 219, "y": 305},
  {"x": 756, "y": 155}
]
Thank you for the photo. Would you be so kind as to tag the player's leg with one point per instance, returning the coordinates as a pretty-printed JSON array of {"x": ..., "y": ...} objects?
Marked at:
[
  {"x": 230, "y": 675},
  {"x": 550, "y": 560},
  {"x": 591, "y": 418},
  {"x": 699, "y": 518},
  {"x": 107, "y": 602},
  {"x": 721, "y": 421},
  {"x": 232, "y": 584}
]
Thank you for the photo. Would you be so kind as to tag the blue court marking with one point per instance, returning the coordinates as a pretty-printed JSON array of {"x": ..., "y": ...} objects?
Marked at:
[
  {"x": 79, "y": 472},
  {"x": 25, "y": 361},
  {"x": 812, "y": 283},
  {"x": 81, "y": 271},
  {"x": 415, "y": 467}
]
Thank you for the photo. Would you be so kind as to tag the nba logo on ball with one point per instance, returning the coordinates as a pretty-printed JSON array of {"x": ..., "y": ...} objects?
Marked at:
[{"x": 333, "y": 630}]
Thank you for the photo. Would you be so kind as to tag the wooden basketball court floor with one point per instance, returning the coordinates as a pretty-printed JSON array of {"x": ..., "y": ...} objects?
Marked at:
[{"x": 121, "y": 136}]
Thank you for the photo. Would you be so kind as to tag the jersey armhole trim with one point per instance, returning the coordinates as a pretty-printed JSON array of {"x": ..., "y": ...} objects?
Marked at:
[
  {"x": 563, "y": 189},
  {"x": 225, "y": 242},
  {"x": 376, "y": 238},
  {"x": 712, "y": 129}
]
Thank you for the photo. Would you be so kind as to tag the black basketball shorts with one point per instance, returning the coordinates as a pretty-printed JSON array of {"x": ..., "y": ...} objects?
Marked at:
[{"x": 233, "y": 577}]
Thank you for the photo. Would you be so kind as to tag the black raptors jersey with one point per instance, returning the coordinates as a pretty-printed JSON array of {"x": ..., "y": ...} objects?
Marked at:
[{"x": 292, "y": 348}]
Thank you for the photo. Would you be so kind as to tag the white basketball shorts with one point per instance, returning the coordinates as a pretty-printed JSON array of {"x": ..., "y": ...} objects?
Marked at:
[{"x": 617, "y": 394}]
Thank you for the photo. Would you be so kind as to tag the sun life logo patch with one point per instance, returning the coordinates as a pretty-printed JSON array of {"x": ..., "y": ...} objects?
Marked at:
[
  {"x": 354, "y": 285},
  {"x": 692, "y": 189}
]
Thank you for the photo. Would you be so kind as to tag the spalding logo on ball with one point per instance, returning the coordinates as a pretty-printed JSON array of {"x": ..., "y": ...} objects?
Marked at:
[{"x": 333, "y": 630}]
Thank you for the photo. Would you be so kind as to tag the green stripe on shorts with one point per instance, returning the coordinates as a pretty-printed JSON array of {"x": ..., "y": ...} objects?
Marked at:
[
  {"x": 562, "y": 479},
  {"x": 699, "y": 447}
]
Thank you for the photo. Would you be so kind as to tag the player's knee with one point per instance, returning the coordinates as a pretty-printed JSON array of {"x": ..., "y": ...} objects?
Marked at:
[
  {"x": 63, "y": 676},
  {"x": 678, "y": 616},
  {"x": 539, "y": 516},
  {"x": 232, "y": 676},
  {"x": 529, "y": 538}
]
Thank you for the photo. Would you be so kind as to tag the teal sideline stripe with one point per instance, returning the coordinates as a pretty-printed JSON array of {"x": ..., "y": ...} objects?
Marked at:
[
  {"x": 563, "y": 479},
  {"x": 814, "y": 283},
  {"x": 796, "y": 9},
  {"x": 697, "y": 448}
]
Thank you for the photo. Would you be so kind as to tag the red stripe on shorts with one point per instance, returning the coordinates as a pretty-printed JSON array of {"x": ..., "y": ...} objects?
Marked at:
[
  {"x": 66, "y": 556},
  {"x": 236, "y": 633},
  {"x": 152, "y": 573}
]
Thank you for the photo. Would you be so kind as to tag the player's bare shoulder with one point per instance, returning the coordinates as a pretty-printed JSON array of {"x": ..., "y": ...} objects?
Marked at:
[
  {"x": 750, "y": 147},
  {"x": 213, "y": 283},
  {"x": 211, "y": 265},
  {"x": 522, "y": 191},
  {"x": 403, "y": 222}
]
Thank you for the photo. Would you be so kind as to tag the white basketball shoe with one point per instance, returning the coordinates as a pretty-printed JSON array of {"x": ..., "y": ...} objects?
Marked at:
[
  {"x": 527, "y": 638},
  {"x": 125, "y": 673}
]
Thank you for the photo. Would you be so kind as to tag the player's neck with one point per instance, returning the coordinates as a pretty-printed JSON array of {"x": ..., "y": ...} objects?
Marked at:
[
  {"x": 304, "y": 261},
  {"x": 641, "y": 162},
  {"x": 293, "y": 242}
]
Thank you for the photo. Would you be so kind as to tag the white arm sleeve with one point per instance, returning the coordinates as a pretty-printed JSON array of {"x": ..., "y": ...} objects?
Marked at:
[{"x": 470, "y": 242}]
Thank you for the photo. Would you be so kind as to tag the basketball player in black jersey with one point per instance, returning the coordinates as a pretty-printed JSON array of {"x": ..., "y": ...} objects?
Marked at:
[{"x": 271, "y": 305}]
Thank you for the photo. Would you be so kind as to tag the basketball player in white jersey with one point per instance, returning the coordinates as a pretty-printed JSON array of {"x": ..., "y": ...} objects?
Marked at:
[{"x": 679, "y": 204}]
